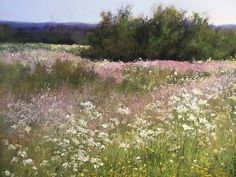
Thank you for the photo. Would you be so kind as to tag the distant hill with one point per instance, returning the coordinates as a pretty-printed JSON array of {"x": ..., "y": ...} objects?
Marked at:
[
  {"x": 73, "y": 25},
  {"x": 59, "y": 33},
  {"x": 227, "y": 26}
]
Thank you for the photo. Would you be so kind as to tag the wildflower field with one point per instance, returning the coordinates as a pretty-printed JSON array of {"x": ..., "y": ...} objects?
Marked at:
[{"x": 66, "y": 116}]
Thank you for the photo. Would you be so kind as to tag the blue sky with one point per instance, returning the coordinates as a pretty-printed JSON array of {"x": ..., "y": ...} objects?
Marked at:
[{"x": 218, "y": 11}]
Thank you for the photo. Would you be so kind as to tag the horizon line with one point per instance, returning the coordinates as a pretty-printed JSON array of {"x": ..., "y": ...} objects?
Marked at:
[{"x": 64, "y": 22}]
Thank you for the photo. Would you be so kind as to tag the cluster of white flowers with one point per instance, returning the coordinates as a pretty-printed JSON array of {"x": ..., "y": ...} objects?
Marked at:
[
  {"x": 89, "y": 110},
  {"x": 21, "y": 157},
  {"x": 190, "y": 114},
  {"x": 153, "y": 107},
  {"x": 144, "y": 131},
  {"x": 79, "y": 138},
  {"x": 123, "y": 110}
]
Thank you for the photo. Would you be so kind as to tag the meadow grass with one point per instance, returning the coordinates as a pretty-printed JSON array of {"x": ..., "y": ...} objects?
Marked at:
[
  {"x": 145, "y": 79},
  {"x": 16, "y": 47},
  {"x": 22, "y": 80},
  {"x": 196, "y": 140},
  {"x": 194, "y": 136}
]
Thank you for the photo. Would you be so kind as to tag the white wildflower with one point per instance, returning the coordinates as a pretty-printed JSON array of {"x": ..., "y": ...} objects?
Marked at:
[
  {"x": 27, "y": 129},
  {"x": 97, "y": 162},
  {"x": 87, "y": 105},
  {"x": 71, "y": 131},
  {"x": 124, "y": 145},
  {"x": 68, "y": 116},
  {"x": 192, "y": 118},
  {"x": 27, "y": 162},
  {"x": 5, "y": 142},
  {"x": 123, "y": 111},
  {"x": 7, "y": 173},
  {"x": 14, "y": 126},
  {"x": 44, "y": 163},
  {"x": 14, "y": 160},
  {"x": 65, "y": 165},
  {"x": 82, "y": 122},
  {"x": 116, "y": 121},
  {"x": 197, "y": 92},
  {"x": 22, "y": 153},
  {"x": 105, "y": 126},
  {"x": 187, "y": 128}
]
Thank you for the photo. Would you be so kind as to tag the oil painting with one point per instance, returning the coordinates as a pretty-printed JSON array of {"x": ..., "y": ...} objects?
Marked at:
[{"x": 121, "y": 88}]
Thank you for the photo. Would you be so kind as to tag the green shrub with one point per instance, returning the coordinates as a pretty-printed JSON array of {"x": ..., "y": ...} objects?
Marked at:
[{"x": 168, "y": 34}]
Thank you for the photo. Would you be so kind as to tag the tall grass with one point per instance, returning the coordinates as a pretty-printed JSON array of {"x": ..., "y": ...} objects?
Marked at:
[
  {"x": 145, "y": 79},
  {"x": 21, "y": 80}
]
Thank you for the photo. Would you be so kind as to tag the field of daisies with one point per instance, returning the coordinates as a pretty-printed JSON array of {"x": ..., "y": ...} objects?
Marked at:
[{"x": 66, "y": 116}]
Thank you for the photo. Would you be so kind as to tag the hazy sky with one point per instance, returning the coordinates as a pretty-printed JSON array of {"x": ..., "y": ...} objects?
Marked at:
[{"x": 218, "y": 11}]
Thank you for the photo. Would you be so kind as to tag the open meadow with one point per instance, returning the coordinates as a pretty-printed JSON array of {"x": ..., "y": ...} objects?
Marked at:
[{"x": 67, "y": 116}]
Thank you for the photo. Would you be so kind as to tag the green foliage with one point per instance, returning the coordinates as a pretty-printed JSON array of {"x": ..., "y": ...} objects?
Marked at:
[{"x": 168, "y": 34}]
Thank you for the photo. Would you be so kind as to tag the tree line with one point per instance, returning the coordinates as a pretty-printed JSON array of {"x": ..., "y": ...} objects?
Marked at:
[
  {"x": 55, "y": 34},
  {"x": 168, "y": 34}
]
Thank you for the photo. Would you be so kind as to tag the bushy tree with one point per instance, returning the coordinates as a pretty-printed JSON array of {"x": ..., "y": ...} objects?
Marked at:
[
  {"x": 166, "y": 31},
  {"x": 168, "y": 34}
]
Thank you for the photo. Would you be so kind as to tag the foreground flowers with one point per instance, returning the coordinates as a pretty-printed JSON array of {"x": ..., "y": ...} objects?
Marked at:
[
  {"x": 196, "y": 134},
  {"x": 181, "y": 125}
]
